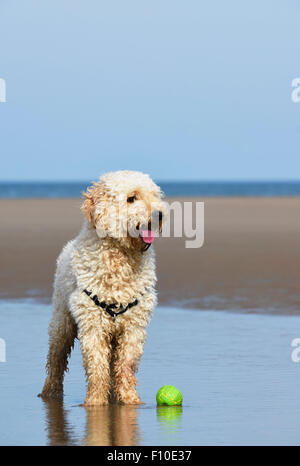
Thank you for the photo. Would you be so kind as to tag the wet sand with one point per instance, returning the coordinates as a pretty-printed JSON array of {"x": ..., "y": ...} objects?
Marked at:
[
  {"x": 250, "y": 258},
  {"x": 239, "y": 384}
]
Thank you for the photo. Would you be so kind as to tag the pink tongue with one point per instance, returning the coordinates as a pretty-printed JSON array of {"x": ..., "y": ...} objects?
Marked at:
[{"x": 148, "y": 236}]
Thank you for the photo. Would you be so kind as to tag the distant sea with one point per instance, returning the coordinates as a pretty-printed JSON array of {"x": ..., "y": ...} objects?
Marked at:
[{"x": 11, "y": 190}]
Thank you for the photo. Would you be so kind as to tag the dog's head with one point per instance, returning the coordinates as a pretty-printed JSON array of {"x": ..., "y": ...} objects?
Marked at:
[{"x": 125, "y": 205}]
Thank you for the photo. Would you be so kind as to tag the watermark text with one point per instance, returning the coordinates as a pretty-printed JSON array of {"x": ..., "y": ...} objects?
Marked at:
[
  {"x": 295, "y": 96},
  {"x": 2, "y": 90},
  {"x": 2, "y": 350}
]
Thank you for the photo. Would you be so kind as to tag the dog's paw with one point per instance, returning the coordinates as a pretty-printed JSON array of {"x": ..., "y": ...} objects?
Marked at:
[
  {"x": 132, "y": 401},
  {"x": 57, "y": 396},
  {"x": 93, "y": 401},
  {"x": 52, "y": 393},
  {"x": 130, "y": 398}
]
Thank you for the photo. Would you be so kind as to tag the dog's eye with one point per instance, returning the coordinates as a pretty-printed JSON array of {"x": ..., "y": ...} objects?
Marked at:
[{"x": 131, "y": 199}]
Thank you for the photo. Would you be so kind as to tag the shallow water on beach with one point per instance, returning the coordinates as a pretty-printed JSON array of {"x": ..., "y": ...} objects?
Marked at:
[{"x": 239, "y": 384}]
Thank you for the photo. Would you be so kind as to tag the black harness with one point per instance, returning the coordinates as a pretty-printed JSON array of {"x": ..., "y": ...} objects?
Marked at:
[{"x": 108, "y": 307}]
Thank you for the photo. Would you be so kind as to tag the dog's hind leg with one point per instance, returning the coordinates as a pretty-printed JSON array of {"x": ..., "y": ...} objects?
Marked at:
[{"x": 62, "y": 333}]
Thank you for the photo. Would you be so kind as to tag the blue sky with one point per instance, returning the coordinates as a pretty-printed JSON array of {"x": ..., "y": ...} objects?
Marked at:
[{"x": 179, "y": 89}]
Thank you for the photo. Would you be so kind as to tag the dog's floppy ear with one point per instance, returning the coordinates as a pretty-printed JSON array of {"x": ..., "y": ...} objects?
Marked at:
[
  {"x": 92, "y": 197},
  {"x": 95, "y": 204},
  {"x": 88, "y": 205}
]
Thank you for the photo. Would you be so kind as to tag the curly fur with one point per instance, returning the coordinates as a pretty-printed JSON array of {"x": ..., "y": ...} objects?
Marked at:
[{"x": 116, "y": 268}]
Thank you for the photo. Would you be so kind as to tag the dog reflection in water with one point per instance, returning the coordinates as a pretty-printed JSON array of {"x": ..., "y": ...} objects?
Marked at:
[{"x": 112, "y": 425}]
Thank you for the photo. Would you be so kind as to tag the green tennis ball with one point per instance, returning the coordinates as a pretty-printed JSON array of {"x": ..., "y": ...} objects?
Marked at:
[{"x": 169, "y": 395}]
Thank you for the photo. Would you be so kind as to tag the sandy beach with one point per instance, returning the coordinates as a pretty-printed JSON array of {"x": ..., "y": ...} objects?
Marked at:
[{"x": 250, "y": 258}]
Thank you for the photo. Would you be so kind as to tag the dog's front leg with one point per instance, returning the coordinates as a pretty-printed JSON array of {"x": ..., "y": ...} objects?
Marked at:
[
  {"x": 129, "y": 350},
  {"x": 96, "y": 352}
]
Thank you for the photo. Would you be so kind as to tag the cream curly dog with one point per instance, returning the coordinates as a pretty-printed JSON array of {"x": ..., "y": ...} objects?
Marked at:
[{"x": 104, "y": 288}]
